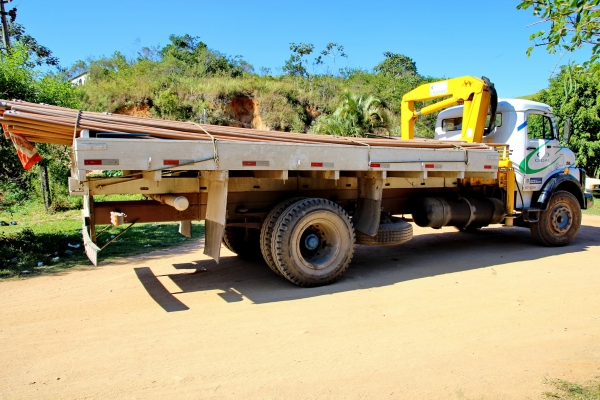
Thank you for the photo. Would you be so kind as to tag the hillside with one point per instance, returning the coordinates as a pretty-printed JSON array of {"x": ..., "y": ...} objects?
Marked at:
[{"x": 186, "y": 80}]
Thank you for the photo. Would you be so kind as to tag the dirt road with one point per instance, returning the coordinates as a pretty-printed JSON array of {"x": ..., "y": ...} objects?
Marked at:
[{"x": 448, "y": 315}]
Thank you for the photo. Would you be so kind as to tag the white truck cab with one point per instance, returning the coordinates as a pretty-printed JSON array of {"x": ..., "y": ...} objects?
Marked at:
[{"x": 529, "y": 128}]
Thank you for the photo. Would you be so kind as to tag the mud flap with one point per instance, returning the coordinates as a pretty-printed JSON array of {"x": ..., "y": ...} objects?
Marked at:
[
  {"x": 216, "y": 209},
  {"x": 368, "y": 208},
  {"x": 88, "y": 230},
  {"x": 91, "y": 250},
  {"x": 185, "y": 228}
]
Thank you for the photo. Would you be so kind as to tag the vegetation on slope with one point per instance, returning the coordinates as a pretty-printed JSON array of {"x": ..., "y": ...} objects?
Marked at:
[{"x": 185, "y": 78}]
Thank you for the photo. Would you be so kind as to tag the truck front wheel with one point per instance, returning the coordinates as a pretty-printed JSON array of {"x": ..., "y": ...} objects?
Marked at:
[
  {"x": 559, "y": 223},
  {"x": 313, "y": 242}
]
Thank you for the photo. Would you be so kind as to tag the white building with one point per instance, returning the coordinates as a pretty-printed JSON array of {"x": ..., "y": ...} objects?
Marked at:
[{"x": 80, "y": 79}]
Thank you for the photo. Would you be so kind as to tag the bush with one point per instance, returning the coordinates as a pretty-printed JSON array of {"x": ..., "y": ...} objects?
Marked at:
[{"x": 22, "y": 251}]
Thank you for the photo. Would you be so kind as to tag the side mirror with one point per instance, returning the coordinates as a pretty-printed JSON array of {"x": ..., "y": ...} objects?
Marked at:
[{"x": 567, "y": 130}]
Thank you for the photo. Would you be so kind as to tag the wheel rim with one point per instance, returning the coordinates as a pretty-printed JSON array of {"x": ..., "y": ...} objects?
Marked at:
[
  {"x": 561, "y": 219},
  {"x": 319, "y": 244}
]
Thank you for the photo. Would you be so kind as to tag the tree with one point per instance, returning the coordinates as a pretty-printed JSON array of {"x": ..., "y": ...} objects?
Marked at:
[
  {"x": 18, "y": 79},
  {"x": 38, "y": 54},
  {"x": 297, "y": 63},
  {"x": 574, "y": 93},
  {"x": 333, "y": 51},
  {"x": 355, "y": 116},
  {"x": 573, "y": 24},
  {"x": 396, "y": 66},
  {"x": 193, "y": 53}
]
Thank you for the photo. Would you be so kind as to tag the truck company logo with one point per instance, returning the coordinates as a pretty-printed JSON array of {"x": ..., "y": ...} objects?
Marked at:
[
  {"x": 540, "y": 156},
  {"x": 438, "y": 88},
  {"x": 543, "y": 157}
]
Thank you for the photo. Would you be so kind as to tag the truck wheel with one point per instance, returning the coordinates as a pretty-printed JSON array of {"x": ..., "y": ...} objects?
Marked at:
[
  {"x": 266, "y": 233},
  {"x": 244, "y": 244},
  {"x": 396, "y": 232},
  {"x": 313, "y": 242},
  {"x": 559, "y": 223}
]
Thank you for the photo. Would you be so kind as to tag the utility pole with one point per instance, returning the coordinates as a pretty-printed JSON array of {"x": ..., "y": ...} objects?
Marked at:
[{"x": 5, "y": 39}]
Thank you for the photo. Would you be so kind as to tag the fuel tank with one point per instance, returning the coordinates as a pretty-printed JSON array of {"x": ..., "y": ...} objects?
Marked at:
[{"x": 461, "y": 212}]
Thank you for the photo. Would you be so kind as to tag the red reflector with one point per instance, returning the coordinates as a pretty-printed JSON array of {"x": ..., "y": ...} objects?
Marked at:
[
  {"x": 316, "y": 164},
  {"x": 170, "y": 162},
  {"x": 92, "y": 162},
  {"x": 375, "y": 165},
  {"x": 487, "y": 167},
  {"x": 249, "y": 163},
  {"x": 429, "y": 165}
]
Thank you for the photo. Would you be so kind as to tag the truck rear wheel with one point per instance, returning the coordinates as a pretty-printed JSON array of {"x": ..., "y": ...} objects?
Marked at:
[
  {"x": 266, "y": 233},
  {"x": 243, "y": 242},
  {"x": 313, "y": 242},
  {"x": 559, "y": 223}
]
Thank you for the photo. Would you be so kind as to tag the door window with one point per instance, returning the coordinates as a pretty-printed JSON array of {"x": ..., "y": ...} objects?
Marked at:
[{"x": 539, "y": 127}]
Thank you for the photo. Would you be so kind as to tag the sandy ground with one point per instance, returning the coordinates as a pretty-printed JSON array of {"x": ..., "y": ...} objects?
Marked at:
[{"x": 447, "y": 315}]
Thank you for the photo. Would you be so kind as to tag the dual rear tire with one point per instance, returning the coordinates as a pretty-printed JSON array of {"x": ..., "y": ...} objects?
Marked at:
[{"x": 311, "y": 243}]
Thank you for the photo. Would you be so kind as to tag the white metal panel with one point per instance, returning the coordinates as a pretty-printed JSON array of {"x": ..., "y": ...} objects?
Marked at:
[{"x": 148, "y": 155}]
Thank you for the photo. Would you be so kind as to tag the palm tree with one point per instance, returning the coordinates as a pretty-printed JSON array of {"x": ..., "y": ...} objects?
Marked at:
[{"x": 355, "y": 116}]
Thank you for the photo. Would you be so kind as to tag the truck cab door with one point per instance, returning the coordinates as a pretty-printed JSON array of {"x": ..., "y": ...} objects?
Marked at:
[{"x": 542, "y": 154}]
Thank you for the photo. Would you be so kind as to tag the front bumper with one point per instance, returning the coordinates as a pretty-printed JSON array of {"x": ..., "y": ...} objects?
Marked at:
[
  {"x": 588, "y": 201},
  {"x": 593, "y": 192}
]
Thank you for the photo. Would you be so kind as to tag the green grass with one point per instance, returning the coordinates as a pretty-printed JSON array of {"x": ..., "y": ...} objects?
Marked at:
[
  {"x": 594, "y": 210},
  {"x": 41, "y": 237},
  {"x": 564, "y": 390}
]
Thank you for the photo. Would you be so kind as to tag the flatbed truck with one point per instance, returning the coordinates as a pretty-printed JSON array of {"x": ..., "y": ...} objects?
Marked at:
[{"x": 303, "y": 207}]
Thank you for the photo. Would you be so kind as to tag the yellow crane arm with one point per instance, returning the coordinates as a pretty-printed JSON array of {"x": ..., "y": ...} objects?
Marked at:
[{"x": 476, "y": 95}]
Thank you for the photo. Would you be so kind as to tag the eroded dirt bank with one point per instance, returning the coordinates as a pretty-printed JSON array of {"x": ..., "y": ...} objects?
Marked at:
[{"x": 448, "y": 315}]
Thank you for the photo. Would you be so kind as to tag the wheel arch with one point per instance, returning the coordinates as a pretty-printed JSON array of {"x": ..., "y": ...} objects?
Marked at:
[{"x": 561, "y": 181}]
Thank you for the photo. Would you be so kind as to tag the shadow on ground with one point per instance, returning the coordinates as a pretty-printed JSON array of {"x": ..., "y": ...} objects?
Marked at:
[{"x": 426, "y": 255}]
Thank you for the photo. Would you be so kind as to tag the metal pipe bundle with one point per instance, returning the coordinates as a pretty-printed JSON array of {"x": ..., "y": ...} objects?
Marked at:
[{"x": 58, "y": 125}]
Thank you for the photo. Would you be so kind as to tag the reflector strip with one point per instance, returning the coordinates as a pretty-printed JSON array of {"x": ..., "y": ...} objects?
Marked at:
[
  {"x": 101, "y": 162},
  {"x": 487, "y": 167},
  {"x": 255, "y": 163},
  {"x": 321, "y": 164},
  {"x": 429, "y": 165},
  {"x": 380, "y": 165},
  {"x": 176, "y": 162}
]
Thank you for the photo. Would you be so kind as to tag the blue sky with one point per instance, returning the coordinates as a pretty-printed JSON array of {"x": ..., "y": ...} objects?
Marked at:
[{"x": 445, "y": 38}]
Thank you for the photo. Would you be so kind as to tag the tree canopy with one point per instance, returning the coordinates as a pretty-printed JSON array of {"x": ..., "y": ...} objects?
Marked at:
[
  {"x": 37, "y": 54},
  {"x": 573, "y": 25},
  {"x": 574, "y": 93},
  {"x": 396, "y": 65}
]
